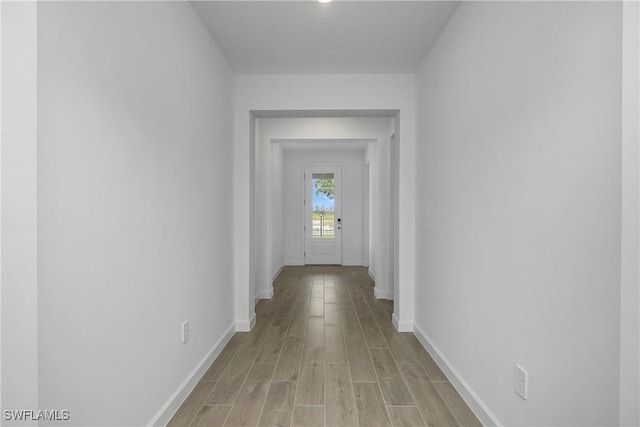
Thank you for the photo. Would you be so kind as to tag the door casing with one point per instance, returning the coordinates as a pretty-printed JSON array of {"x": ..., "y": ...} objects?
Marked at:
[{"x": 325, "y": 250}]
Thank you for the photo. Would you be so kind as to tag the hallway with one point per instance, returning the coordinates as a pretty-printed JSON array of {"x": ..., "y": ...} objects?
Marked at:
[{"x": 323, "y": 352}]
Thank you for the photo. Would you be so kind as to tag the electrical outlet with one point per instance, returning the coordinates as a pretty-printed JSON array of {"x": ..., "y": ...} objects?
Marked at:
[
  {"x": 185, "y": 331},
  {"x": 520, "y": 382}
]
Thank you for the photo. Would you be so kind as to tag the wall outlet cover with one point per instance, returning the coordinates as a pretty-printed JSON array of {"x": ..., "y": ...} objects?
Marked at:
[
  {"x": 520, "y": 380},
  {"x": 185, "y": 332}
]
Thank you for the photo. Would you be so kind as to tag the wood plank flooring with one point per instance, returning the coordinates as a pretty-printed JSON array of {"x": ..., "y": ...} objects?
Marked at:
[{"x": 324, "y": 353}]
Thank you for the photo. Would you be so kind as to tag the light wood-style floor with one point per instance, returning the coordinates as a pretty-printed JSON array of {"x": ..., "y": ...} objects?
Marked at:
[{"x": 323, "y": 352}]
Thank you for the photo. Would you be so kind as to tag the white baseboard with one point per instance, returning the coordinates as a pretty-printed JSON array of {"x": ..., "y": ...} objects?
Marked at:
[
  {"x": 373, "y": 276},
  {"x": 351, "y": 262},
  {"x": 244, "y": 326},
  {"x": 266, "y": 294},
  {"x": 293, "y": 262},
  {"x": 484, "y": 414},
  {"x": 401, "y": 326},
  {"x": 381, "y": 294},
  {"x": 277, "y": 273},
  {"x": 178, "y": 397}
]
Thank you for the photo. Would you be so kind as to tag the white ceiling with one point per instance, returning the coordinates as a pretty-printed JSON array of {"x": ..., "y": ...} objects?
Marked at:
[{"x": 306, "y": 37}]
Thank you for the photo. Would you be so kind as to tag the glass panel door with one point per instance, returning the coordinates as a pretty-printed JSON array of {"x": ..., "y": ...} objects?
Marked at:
[
  {"x": 323, "y": 225},
  {"x": 323, "y": 190}
]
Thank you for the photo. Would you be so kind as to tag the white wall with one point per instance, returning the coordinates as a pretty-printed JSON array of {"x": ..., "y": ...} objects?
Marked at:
[
  {"x": 518, "y": 254},
  {"x": 256, "y": 93},
  {"x": 630, "y": 262},
  {"x": 134, "y": 205},
  {"x": 394, "y": 212},
  {"x": 371, "y": 160},
  {"x": 366, "y": 210},
  {"x": 352, "y": 162},
  {"x": 262, "y": 217},
  {"x": 19, "y": 352},
  {"x": 277, "y": 171}
]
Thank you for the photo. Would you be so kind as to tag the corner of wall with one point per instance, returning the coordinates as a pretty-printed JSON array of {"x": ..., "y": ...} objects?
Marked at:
[
  {"x": 268, "y": 294},
  {"x": 401, "y": 326},
  {"x": 381, "y": 294},
  {"x": 242, "y": 326}
]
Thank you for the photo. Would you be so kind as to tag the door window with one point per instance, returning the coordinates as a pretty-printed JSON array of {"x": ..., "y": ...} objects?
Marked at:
[{"x": 323, "y": 191}]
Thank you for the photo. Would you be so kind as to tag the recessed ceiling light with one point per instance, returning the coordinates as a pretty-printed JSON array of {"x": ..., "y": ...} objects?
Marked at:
[{"x": 325, "y": 1}]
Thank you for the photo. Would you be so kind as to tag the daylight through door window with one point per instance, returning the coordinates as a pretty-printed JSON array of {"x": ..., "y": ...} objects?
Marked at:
[{"x": 323, "y": 188}]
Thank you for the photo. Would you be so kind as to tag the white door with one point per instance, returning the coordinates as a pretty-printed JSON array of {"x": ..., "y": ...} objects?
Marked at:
[{"x": 323, "y": 223}]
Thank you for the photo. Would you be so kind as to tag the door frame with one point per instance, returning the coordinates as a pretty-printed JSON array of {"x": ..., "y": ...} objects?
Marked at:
[{"x": 305, "y": 212}]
